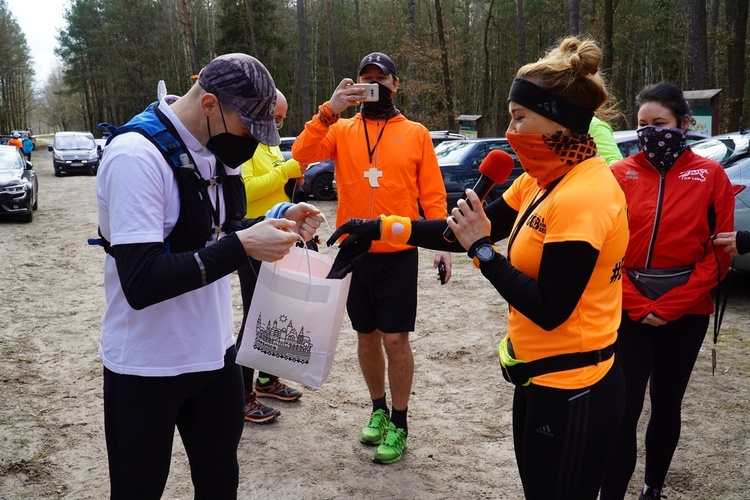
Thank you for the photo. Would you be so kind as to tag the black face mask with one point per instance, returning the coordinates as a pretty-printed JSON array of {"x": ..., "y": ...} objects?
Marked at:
[
  {"x": 383, "y": 108},
  {"x": 232, "y": 150}
]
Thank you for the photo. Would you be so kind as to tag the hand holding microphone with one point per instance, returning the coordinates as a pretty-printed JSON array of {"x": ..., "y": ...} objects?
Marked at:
[{"x": 495, "y": 169}]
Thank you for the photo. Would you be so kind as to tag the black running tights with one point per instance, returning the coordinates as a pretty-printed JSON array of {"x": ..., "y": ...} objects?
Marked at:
[
  {"x": 140, "y": 416},
  {"x": 562, "y": 437},
  {"x": 665, "y": 354}
]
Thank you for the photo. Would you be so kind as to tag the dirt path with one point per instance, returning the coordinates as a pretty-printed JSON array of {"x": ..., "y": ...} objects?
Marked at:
[{"x": 460, "y": 441}]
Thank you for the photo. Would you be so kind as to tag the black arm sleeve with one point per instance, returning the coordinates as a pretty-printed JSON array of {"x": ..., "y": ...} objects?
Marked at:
[
  {"x": 743, "y": 242},
  {"x": 429, "y": 233},
  {"x": 564, "y": 272},
  {"x": 149, "y": 276}
]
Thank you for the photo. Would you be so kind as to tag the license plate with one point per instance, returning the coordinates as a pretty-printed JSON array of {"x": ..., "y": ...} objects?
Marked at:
[{"x": 76, "y": 164}]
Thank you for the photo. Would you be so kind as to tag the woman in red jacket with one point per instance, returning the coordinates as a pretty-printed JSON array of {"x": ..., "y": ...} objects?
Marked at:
[{"x": 676, "y": 201}]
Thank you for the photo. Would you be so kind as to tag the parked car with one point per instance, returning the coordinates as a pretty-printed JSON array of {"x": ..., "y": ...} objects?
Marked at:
[
  {"x": 724, "y": 147},
  {"x": 318, "y": 180},
  {"x": 19, "y": 188},
  {"x": 459, "y": 163},
  {"x": 627, "y": 141},
  {"x": 286, "y": 147},
  {"x": 100, "y": 143},
  {"x": 74, "y": 152},
  {"x": 4, "y": 139},
  {"x": 440, "y": 136}
]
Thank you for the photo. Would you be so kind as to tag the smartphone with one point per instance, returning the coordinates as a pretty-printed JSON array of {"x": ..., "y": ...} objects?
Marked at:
[
  {"x": 441, "y": 273},
  {"x": 372, "y": 92}
]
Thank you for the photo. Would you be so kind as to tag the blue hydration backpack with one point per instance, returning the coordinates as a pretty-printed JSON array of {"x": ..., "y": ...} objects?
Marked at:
[{"x": 198, "y": 217}]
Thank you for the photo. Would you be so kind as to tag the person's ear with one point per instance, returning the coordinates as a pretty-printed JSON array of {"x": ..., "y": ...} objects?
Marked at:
[
  {"x": 209, "y": 103},
  {"x": 686, "y": 122}
]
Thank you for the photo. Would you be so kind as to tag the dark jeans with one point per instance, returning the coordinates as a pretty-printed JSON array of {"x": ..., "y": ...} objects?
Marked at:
[
  {"x": 665, "y": 355},
  {"x": 140, "y": 416},
  {"x": 562, "y": 437}
]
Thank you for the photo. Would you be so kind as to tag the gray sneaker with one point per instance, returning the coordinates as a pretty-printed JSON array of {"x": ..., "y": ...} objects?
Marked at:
[{"x": 258, "y": 413}]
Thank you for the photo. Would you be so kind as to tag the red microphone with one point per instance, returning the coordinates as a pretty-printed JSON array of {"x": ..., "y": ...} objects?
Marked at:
[{"x": 495, "y": 169}]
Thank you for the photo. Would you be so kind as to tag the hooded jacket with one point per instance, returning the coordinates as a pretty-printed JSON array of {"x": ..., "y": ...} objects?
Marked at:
[{"x": 404, "y": 173}]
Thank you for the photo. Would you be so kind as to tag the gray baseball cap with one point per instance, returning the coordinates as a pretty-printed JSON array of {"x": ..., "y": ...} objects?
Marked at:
[{"x": 242, "y": 82}]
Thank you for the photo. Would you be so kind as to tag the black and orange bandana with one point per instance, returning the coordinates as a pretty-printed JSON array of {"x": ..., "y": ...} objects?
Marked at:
[
  {"x": 546, "y": 158},
  {"x": 549, "y": 105}
]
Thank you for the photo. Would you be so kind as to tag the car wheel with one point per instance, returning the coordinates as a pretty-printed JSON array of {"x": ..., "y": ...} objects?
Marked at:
[
  {"x": 36, "y": 203},
  {"x": 322, "y": 187}
]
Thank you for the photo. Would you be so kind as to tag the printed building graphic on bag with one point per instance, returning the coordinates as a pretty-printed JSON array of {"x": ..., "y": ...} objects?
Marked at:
[{"x": 282, "y": 340}]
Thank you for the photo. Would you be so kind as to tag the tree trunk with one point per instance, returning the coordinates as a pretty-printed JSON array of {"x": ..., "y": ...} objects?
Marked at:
[
  {"x": 411, "y": 29},
  {"x": 713, "y": 33},
  {"x": 332, "y": 43},
  {"x": 520, "y": 35},
  {"x": 486, "y": 104},
  {"x": 251, "y": 24},
  {"x": 609, "y": 33},
  {"x": 446, "y": 69},
  {"x": 189, "y": 37},
  {"x": 698, "y": 44},
  {"x": 304, "y": 78},
  {"x": 737, "y": 22},
  {"x": 575, "y": 17}
]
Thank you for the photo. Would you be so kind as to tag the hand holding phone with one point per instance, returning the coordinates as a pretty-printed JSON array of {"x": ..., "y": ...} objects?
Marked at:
[
  {"x": 441, "y": 273},
  {"x": 372, "y": 91}
]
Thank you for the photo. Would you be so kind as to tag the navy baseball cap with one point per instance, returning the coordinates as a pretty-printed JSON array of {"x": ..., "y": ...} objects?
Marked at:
[
  {"x": 242, "y": 82},
  {"x": 380, "y": 60}
]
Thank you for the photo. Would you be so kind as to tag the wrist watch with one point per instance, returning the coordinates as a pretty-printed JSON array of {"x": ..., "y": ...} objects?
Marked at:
[{"x": 485, "y": 253}]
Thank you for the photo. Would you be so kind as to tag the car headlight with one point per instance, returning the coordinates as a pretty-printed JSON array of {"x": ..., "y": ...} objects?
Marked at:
[
  {"x": 93, "y": 155},
  {"x": 17, "y": 188},
  {"x": 57, "y": 156}
]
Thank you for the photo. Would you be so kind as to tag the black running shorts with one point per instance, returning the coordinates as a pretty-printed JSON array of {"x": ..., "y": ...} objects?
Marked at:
[{"x": 383, "y": 292}]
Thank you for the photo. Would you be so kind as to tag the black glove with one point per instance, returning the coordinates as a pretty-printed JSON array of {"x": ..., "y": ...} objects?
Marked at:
[{"x": 361, "y": 233}]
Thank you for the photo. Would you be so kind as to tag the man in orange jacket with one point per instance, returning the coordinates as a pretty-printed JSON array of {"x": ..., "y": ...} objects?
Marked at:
[
  {"x": 16, "y": 141},
  {"x": 385, "y": 164}
]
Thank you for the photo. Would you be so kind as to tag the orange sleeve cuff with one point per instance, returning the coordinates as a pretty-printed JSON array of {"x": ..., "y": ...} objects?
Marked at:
[
  {"x": 326, "y": 115},
  {"x": 395, "y": 229}
]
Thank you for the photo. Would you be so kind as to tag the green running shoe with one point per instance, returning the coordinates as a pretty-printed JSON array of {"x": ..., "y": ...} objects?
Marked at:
[
  {"x": 393, "y": 446},
  {"x": 373, "y": 433}
]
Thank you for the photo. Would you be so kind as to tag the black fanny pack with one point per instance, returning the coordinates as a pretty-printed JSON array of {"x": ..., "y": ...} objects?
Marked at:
[
  {"x": 653, "y": 283},
  {"x": 519, "y": 372}
]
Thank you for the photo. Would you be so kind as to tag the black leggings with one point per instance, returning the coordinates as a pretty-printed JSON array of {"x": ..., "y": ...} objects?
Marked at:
[
  {"x": 562, "y": 437},
  {"x": 665, "y": 354},
  {"x": 140, "y": 415}
]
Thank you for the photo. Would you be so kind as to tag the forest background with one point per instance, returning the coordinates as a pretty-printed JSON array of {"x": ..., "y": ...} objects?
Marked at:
[{"x": 453, "y": 56}]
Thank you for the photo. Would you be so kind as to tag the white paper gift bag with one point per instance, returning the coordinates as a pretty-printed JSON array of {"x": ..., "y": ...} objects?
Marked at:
[{"x": 294, "y": 319}]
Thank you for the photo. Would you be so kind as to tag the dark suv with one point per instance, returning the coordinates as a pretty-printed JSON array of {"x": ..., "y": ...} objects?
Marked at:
[
  {"x": 459, "y": 163},
  {"x": 74, "y": 152}
]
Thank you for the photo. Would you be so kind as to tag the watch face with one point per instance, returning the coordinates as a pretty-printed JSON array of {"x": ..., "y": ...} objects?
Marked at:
[{"x": 485, "y": 253}]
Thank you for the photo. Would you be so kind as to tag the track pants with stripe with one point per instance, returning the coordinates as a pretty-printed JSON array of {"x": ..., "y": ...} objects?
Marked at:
[{"x": 562, "y": 437}]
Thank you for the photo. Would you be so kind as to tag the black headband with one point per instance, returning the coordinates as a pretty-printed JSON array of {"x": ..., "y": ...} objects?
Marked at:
[{"x": 551, "y": 106}]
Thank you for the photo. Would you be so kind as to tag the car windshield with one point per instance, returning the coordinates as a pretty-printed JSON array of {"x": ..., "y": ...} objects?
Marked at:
[
  {"x": 722, "y": 149},
  {"x": 450, "y": 152},
  {"x": 9, "y": 159},
  {"x": 70, "y": 142}
]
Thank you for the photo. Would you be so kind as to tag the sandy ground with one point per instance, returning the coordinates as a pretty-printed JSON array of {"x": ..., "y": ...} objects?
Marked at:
[{"x": 460, "y": 442}]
